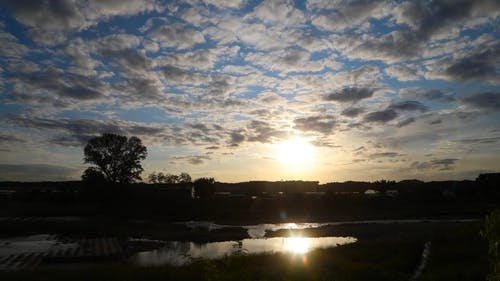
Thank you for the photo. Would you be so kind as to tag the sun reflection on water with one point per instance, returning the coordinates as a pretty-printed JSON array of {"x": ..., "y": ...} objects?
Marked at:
[
  {"x": 179, "y": 253},
  {"x": 298, "y": 245}
]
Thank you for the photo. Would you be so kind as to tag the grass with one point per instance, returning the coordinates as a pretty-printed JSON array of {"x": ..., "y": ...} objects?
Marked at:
[{"x": 458, "y": 256}]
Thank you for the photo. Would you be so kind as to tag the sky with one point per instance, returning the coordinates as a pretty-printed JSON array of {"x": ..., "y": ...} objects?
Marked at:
[{"x": 238, "y": 90}]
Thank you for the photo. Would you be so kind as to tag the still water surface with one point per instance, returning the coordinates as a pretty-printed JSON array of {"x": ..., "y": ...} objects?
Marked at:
[{"x": 179, "y": 253}]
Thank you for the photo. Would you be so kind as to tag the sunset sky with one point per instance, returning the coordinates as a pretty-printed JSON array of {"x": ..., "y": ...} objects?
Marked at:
[{"x": 254, "y": 90}]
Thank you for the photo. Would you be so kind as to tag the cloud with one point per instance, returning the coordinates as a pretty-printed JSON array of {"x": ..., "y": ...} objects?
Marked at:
[
  {"x": 484, "y": 100},
  {"x": 226, "y": 3},
  {"x": 79, "y": 55},
  {"x": 480, "y": 64},
  {"x": 482, "y": 140},
  {"x": 382, "y": 116},
  {"x": 177, "y": 36},
  {"x": 10, "y": 139},
  {"x": 392, "y": 47},
  {"x": 288, "y": 60},
  {"x": 11, "y": 47},
  {"x": 323, "y": 124},
  {"x": 264, "y": 132},
  {"x": 129, "y": 62},
  {"x": 352, "y": 111},
  {"x": 50, "y": 21},
  {"x": 115, "y": 42},
  {"x": 406, "y": 122},
  {"x": 56, "y": 88},
  {"x": 193, "y": 160},
  {"x": 36, "y": 172},
  {"x": 340, "y": 15},
  {"x": 252, "y": 34},
  {"x": 203, "y": 59},
  {"x": 359, "y": 150},
  {"x": 180, "y": 76},
  {"x": 405, "y": 72},
  {"x": 281, "y": 12},
  {"x": 427, "y": 94},
  {"x": 428, "y": 18},
  {"x": 219, "y": 87},
  {"x": 391, "y": 113},
  {"x": 78, "y": 131},
  {"x": 435, "y": 122},
  {"x": 409, "y": 106},
  {"x": 385, "y": 155},
  {"x": 444, "y": 164},
  {"x": 425, "y": 21},
  {"x": 236, "y": 137},
  {"x": 352, "y": 94}
]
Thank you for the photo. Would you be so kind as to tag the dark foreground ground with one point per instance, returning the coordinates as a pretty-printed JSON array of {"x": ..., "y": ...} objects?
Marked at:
[
  {"x": 245, "y": 210},
  {"x": 383, "y": 252}
]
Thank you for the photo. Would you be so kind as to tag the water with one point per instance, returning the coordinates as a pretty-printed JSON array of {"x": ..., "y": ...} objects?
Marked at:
[
  {"x": 179, "y": 253},
  {"x": 259, "y": 230},
  {"x": 41, "y": 243}
]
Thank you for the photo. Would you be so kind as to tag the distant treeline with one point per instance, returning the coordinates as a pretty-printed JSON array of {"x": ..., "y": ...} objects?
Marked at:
[
  {"x": 484, "y": 185},
  {"x": 258, "y": 187}
]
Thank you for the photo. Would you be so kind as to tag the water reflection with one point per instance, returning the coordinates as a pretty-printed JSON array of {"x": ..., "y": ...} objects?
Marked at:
[
  {"x": 179, "y": 253},
  {"x": 298, "y": 245},
  {"x": 40, "y": 243},
  {"x": 259, "y": 230}
]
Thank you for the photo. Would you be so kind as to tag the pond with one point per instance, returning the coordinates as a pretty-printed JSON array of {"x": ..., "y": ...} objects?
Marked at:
[{"x": 179, "y": 253}]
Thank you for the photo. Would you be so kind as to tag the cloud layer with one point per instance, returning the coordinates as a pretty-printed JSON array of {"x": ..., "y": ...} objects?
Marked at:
[{"x": 202, "y": 80}]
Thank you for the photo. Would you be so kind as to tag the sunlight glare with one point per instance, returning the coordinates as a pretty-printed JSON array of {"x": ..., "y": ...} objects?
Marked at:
[
  {"x": 296, "y": 151},
  {"x": 298, "y": 245}
]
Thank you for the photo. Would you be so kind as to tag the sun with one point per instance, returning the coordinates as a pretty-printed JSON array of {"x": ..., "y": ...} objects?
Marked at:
[{"x": 295, "y": 151}]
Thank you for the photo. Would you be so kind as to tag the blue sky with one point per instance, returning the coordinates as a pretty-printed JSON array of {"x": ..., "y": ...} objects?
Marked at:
[{"x": 244, "y": 90}]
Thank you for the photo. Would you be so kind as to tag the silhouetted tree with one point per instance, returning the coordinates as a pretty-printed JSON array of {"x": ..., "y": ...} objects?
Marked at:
[
  {"x": 153, "y": 178},
  {"x": 93, "y": 175},
  {"x": 184, "y": 178},
  {"x": 116, "y": 157},
  {"x": 204, "y": 187},
  {"x": 169, "y": 178},
  {"x": 383, "y": 185}
]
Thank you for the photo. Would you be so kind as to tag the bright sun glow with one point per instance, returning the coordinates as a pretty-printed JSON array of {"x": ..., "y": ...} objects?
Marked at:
[
  {"x": 296, "y": 151},
  {"x": 297, "y": 245}
]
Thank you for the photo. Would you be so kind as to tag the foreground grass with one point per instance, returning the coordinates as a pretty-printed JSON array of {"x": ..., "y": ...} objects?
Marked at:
[{"x": 458, "y": 255}]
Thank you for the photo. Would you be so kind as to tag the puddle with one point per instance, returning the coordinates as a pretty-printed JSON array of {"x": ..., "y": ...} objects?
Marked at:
[{"x": 179, "y": 253}]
